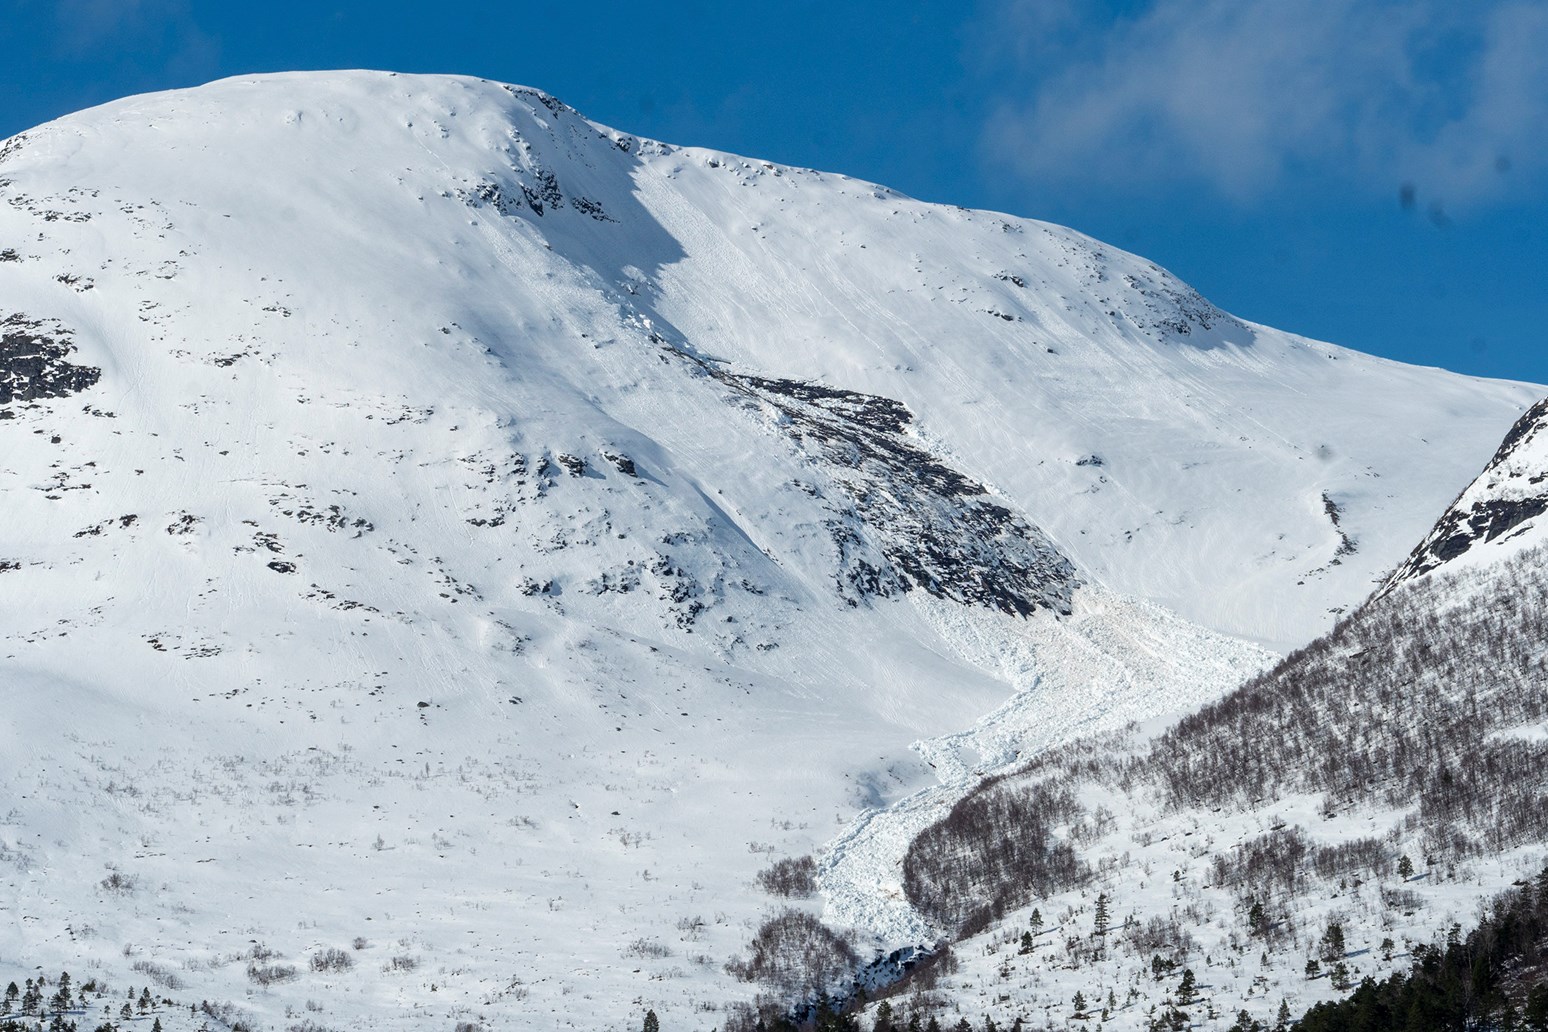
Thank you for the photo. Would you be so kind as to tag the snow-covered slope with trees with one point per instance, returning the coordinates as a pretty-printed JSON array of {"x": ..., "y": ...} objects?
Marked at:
[
  {"x": 447, "y": 531},
  {"x": 1312, "y": 828}
]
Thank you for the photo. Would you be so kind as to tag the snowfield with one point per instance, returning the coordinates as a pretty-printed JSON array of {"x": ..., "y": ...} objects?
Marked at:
[{"x": 449, "y": 532}]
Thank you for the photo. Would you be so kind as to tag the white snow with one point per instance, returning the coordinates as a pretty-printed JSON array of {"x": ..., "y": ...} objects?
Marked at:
[
  {"x": 1501, "y": 514},
  {"x": 1117, "y": 661},
  {"x": 326, "y": 290},
  {"x": 1156, "y": 862}
]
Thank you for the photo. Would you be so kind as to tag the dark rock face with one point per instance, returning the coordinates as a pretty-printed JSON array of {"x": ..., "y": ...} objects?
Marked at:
[
  {"x": 1479, "y": 520},
  {"x": 1173, "y": 307},
  {"x": 909, "y": 520},
  {"x": 1484, "y": 521},
  {"x": 33, "y": 362},
  {"x": 1527, "y": 427}
]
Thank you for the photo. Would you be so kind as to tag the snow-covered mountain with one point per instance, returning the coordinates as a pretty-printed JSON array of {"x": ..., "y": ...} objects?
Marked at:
[{"x": 437, "y": 522}]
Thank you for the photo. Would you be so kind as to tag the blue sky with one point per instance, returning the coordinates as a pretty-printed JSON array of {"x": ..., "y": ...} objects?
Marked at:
[{"x": 1369, "y": 172}]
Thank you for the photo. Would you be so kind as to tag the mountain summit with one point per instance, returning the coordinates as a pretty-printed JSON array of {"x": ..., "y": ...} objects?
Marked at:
[
  {"x": 441, "y": 241},
  {"x": 438, "y": 522}
]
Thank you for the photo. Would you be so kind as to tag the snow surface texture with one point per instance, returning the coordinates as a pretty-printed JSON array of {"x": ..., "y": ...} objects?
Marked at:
[
  {"x": 1118, "y": 660},
  {"x": 1500, "y": 513},
  {"x": 1474, "y": 618},
  {"x": 1159, "y": 864},
  {"x": 438, "y": 521}
]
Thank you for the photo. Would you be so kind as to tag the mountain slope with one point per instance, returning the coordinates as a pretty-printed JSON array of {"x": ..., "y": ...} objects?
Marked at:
[
  {"x": 1319, "y": 824},
  {"x": 430, "y": 514},
  {"x": 1143, "y": 421},
  {"x": 1497, "y": 514}
]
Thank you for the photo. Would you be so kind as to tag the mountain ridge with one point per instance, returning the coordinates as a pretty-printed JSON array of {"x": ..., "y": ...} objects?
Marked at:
[
  {"x": 1056, "y": 318},
  {"x": 1495, "y": 511}
]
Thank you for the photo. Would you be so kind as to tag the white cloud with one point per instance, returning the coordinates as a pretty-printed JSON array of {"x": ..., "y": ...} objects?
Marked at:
[{"x": 1244, "y": 95}]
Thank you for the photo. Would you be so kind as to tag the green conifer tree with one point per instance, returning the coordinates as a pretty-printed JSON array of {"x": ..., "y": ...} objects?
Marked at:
[
  {"x": 1187, "y": 989},
  {"x": 1257, "y": 918},
  {"x": 1535, "y": 1016},
  {"x": 1331, "y": 948},
  {"x": 1245, "y": 1023}
]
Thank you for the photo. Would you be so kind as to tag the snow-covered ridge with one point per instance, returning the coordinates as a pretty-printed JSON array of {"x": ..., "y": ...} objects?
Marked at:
[
  {"x": 1143, "y": 430},
  {"x": 1497, "y": 515}
]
